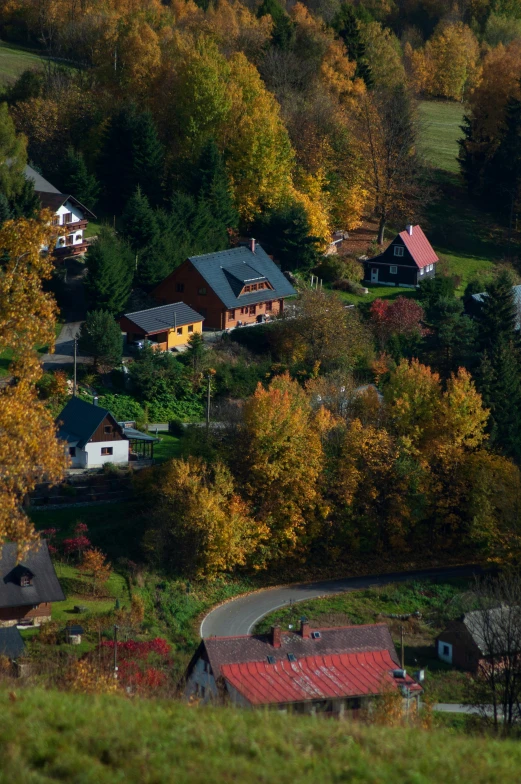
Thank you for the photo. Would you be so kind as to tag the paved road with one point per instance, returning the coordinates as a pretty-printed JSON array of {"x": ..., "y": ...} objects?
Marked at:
[
  {"x": 74, "y": 308},
  {"x": 240, "y": 615}
]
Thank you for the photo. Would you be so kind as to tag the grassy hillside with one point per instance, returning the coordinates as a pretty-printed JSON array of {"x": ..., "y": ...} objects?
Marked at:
[
  {"x": 441, "y": 122},
  {"x": 50, "y": 736},
  {"x": 14, "y": 61}
]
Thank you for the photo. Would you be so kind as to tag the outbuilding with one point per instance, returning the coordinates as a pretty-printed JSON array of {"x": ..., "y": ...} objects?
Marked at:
[{"x": 166, "y": 327}]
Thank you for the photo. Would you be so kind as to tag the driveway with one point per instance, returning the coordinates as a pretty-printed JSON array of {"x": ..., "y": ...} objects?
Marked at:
[
  {"x": 73, "y": 306},
  {"x": 240, "y": 615}
]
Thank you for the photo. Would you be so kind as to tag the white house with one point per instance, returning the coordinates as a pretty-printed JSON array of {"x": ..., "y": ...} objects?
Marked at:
[
  {"x": 68, "y": 212},
  {"x": 92, "y": 435}
]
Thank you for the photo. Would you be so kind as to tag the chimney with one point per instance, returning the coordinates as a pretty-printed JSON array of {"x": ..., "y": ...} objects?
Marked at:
[
  {"x": 276, "y": 636},
  {"x": 305, "y": 629},
  {"x": 408, "y": 229},
  {"x": 95, "y": 400},
  {"x": 252, "y": 245}
]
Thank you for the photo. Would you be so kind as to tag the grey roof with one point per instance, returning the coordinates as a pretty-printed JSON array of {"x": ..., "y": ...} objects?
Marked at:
[
  {"x": 79, "y": 420},
  {"x": 40, "y": 183},
  {"x": 136, "y": 435},
  {"x": 344, "y": 639},
  {"x": 516, "y": 291},
  {"x": 153, "y": 320},
  {"x": 498, "y": 626},
  {"x": 44, "y": 587},
  {"x": 11, "y": 642},
  {"x": 227, "y": 270},
  {"x": 50, "y": 197}
]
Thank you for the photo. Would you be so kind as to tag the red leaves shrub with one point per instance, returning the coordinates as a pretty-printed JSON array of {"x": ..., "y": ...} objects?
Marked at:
[
  {"x": 75, "y": 545},
  {"x": 403, "y": 316},
  {"x": 138, "y": 665}
]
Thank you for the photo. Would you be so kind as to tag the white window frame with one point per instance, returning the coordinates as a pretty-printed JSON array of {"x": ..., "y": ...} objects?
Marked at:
[
  {"x": 393, "y": 269},
  {"x": 399, "y": 250},
  {"x": 422, "y": 271}
]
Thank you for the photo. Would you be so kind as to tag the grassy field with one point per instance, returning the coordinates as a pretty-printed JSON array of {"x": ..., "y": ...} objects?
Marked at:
[
  {"x": 441, "y": 121},
  {"x": 375, "y": 292},
  {"x": 50, "y": 736},
  {"x": 14, "y": 61},
  {"x": 169, "y": 446}
]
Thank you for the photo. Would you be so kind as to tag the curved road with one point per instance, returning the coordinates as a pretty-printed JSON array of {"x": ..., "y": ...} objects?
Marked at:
[{"x": 240, "y": 615}]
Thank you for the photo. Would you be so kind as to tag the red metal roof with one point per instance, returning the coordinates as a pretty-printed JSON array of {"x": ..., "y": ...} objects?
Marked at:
[
  {"x": 315, "y": 677},
  {"x": 419, "y": 247}
]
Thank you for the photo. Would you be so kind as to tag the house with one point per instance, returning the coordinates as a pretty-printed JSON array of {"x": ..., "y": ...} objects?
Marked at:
[
  {"x": 331, "y": 671},
  {"x": 27, "y": 589},
  {"x": 409, "y": 259},
  {"x": 93, "y": 437},
  {"x": 229, "y": 288},
  {"x": 468, "y": 641},
  {"x": 11, "y": 643},
  {"x": 166, "y": 327},
  {"x": 67, "y": 211}
]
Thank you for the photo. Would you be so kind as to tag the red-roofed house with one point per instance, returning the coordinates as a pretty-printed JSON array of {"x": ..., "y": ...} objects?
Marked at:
[
  {"x": 331, "y": 671},
  {"x": 409, "y": 259}
]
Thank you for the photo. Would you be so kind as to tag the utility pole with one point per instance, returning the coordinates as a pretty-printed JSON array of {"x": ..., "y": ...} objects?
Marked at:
[
  {"x": 401, "y": 648},
  {"x": 75, "y": 362},
  {"x": 208, "y": 394},
  {"x": 116, "y": 651}
]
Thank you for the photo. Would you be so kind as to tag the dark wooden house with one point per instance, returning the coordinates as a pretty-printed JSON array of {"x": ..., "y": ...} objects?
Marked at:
[
  {"x": 409, "y": 259},
  {"x": 28, "y": 588},
  {"x": 229, "y": 288}
]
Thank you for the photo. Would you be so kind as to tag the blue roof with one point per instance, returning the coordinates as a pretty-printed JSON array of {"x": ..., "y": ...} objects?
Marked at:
[{"x": 227, "y": 271}]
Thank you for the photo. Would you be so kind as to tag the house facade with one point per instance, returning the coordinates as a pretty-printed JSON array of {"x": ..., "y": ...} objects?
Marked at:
[
  {"x": 409, "y": 259},
  {"x": 91, "y": 434},
  {"x": 335, "y": 672},
  {"x": 229, "y": 288},
  {"x": 27, "y": 589},
  {"x": 68, "y": 213},
  {"x": 470, "y": 640},
  {"x": 166, "y": 327}
]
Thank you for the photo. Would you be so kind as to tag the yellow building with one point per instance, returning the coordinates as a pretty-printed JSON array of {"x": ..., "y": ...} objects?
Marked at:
[{"x": 166, "y": 327}]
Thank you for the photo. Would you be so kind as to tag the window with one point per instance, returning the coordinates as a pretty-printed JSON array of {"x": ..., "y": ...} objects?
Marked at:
[
  {"x": 398, "y": 250},
  {"x": 180, "y": 287},
  {"x": 70, "y": 239},
  {"x": 292, "y": 657},
  {"x": 202, "y": 291},
  {"x": 106, "y": 450},
  {"x": 25, "y": 580},
  {"x": 252, "y": 310},
  {"x": 422, "y": 271},
  {"x": 108, "y": 429},
  {"x": 72, "y": 451},
  {"x": 246, "y": 288},
  {"x": 67, "y": 218},
  {"x": 254, "y": 287},
  {"x": 393, "y": 270},
  {"x": 269, "y": 306},
  {"x": 446, "y": 650},
  {"x": 179, "y": 330},
  {"x": 190, "y": 328},
  {"x": 243, "y": 311},
  {"x": 231, "y": 315}
]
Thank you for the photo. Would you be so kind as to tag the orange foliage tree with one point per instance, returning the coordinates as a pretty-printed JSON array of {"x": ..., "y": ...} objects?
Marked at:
[{"x": 94, "y": 564}]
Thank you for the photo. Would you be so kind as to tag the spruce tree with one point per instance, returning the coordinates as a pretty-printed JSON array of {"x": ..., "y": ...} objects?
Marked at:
[
  {"x": 498, "y": 317},
  {"x": 210, "y": 182},
  {"x": 162, "y": 255},
  {"x": 101, "y": 338},
  {"x": 25, "y": 203},
  {"x": 5, "y": 212},
  {"x": 347, "y": 27},
  {"x": 139, "y": 221},
  {"x": 499, "y": 382},
  {"x": 283, "y": 33},
  {"x": 286, "y": 234},
  {"x": 110, "y": 264},
  {"x": 148, "y": 158},
  {"x": 503, "y": 173},
  {"x": 74, "y": 178}
]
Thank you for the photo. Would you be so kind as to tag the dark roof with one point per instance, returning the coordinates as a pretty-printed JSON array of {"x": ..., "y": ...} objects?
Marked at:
[
  {"x": 227, "y": 271},
  {"x": 419, "y": 247},
  {"x": 44, "y": 585},
  {"x": 40, "y": 183},
  {"x": 136, "y": 435},
  {"x": 11, "y": 642},
  {"x": 79, "y": 420},
  {"x": 153, "y": 320},
  {"x": 344, "y": 639},
  {"x": 50, "y": 197},
  {"x": 74, "y": 628}
]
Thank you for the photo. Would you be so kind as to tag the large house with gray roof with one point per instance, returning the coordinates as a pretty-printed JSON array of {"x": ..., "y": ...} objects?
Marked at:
[
  {"x": 229, "y": 288},
  {"x": 68, "y": 213}
]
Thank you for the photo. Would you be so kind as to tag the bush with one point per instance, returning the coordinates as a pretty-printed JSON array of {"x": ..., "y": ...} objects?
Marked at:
[
  {"x": 350, "y": 286},
  {"x": 122, "y": 407},
  {"x": 335, "y": 268}
]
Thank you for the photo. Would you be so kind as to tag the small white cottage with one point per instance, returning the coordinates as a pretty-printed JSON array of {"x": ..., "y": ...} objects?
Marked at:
[
  {"x": 68, "y": 212},
  {"x": 92, "y": 435}
]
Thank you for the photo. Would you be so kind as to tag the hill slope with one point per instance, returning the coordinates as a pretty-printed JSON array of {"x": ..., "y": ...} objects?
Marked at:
[{"x": 51, "y": 736}]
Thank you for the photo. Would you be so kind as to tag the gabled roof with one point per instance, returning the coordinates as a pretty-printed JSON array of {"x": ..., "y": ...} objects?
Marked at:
[
  {"x": 79, "y": 420},
  {"x": 50, "y": 197},
  {"x": 221, "y": 269},
  {"x": 316, "y": 677},
  {"x": 11, "y": 642},
  {"x": 493, "y": 628},
  {"x": 44, "y": 586},
  {"x": 344, "y": 639},
  {"x": 40, "y": 183},
  {"x": 419, "y": 247},
  {"x": 153, "y": 320}
]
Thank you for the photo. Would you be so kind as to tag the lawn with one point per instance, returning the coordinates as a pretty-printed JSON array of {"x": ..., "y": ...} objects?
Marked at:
[
  {"x": 14, "y": 61},
  {"x": 169, "y": 446},
  {"x": 376, "y": 292},
  {"x": 441, "y": 121},
  {"x": 49, "y": 736},
  {"x": 77, "y": 589}
]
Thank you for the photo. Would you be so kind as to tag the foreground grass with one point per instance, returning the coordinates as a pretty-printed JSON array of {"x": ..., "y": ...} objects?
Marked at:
[{"x": 51, "y": 736}]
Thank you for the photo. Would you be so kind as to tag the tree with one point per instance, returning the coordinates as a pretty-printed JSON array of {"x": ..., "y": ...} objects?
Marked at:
[
  {"x": 388, "y": 134},
  {"x": 286, "y": 232},
  {"x": 139, "y": 221},
  {"x": 499, "y": 381},
  {"x": 452, "y": 56},
  {"x": 211, "y": 183},
  {"x": 94, "y": 564},
  {"x": 156, "y": 373},
  {"x": 148, "y": 158},
  {"x": 383, "y": 56},
  {"x": 199, "y": 525},
  {"x": 347, "y": 26},
  {"x": 502, "y": 177},
  {"x": 5, "y": 212},
  {"x": 75, "y": 178},
  {"x": 402, "y": 316},
  {"x": 26, "y": 202},
  {"x": 283, "y": 33},
  {"x": 195, "y": 353},
  {"x": 101, "y": 338},
  {"x": 13, "y": 156},
  {"x": 110, "y": 264},
  {"x": 498, "y": 316},
  {"x": 29, "y": 450}
]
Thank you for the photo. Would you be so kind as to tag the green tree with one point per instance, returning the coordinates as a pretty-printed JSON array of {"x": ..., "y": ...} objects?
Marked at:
[
  {"x": 498, "y": 316},
  {"x": 75, "y": 178},
  {"x": 503, "y": 173},
  {"x": 283, "y": 33},
  {"x": 101, "y": 338},
  {"x": 148, "y": 158},
  {"x": 110, "y": 264},
  {"x": 139, "y": 221},
  {"x": 195, "y": 352},
  {"x": 5, "y": 212},
  {"x": 347, "y": 26},
  {"x": 286, "y": 233},
  {"x": 211, "y": 183},
  {"x": 499, "y": 382},
  {"x": 156, "y": 373},
  {"x": 13, "y": 156}
]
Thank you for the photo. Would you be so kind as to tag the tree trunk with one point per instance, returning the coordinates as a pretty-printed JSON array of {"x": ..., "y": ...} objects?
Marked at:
[{"x": 381, "y": 231}]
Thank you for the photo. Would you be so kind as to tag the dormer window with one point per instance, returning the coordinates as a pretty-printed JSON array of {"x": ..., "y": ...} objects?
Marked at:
[{"x": 25, "y": 580}]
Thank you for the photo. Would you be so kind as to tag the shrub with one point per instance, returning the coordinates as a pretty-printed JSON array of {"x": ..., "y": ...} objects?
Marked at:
[{"x": 350, "y": 286}]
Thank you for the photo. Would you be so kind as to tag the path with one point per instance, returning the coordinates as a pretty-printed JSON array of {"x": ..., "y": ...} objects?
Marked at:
[
  {"x": 240, "y": 615},
  {"x": 73, "y": 306}
]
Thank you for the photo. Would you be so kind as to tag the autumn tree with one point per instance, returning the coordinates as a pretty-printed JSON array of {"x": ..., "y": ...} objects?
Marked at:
[
  {"x": 29, "y": 450},
  {"x": 401, "y": 317},
  {"x": 347, "y": 26},
  {"x": 452, "y": 56},
  {"x": 94, "y": 565}
]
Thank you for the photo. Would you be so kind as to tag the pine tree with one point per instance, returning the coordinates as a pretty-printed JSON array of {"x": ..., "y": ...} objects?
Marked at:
[
  {"x": 287, "y": 234},
  {"x": 148, "y": 158},
  {"x": 110, "y": 263},
  {"x": 5, "y": 212},
  {"x": 503, "y": 173},
  {"x": 498, "y": 315},
  {"x": 499, "y": 382},
  {"x": 139, "y": 221},
  {"x": 162, "y": 255},
  {"x": 283, "y": 34},
  {"x": 25, "y": 203},
  {"x": 101, "y": 338},
  {"x": 347, "y": 27},
  {"x": 75, "y": 178},
  {"x": 210, "y": 182}
]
